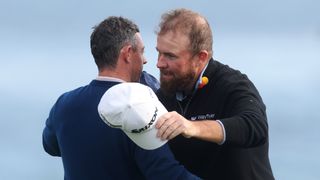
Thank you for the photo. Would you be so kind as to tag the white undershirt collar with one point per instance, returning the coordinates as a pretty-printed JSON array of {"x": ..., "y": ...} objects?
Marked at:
[{"x": 107, "y": 78}]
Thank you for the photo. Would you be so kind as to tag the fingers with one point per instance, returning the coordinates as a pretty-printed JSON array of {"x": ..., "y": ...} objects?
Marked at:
[
  {"x": 169, "y": 126},
  {"x": 172, "y": 133},
  {"x": 162, "y": 119},
  {"x": 169, "y": 130}
]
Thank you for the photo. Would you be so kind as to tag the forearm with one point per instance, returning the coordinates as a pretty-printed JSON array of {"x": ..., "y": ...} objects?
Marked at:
[{"x": 208, "y": 130}]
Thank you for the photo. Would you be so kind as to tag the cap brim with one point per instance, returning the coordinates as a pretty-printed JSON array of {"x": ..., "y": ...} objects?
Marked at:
[{"x": 148, "y": 139}]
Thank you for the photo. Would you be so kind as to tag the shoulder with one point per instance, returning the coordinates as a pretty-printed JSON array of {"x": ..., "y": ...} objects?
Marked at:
[
  {"x": 69, "y": 98},
  {"x": 71, "y": 93},
  {"x": 149, "y": 80},
  {"x": 224, "y": 76}
]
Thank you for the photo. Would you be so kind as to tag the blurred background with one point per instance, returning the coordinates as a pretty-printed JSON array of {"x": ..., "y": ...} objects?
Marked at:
[{"x": 44, "y": 51}]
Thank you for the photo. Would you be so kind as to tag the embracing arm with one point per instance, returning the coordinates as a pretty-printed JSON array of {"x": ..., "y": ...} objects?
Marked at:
[
  {"x": 159, "y": 164},
  {"x": 247, "y": 129},
  {"x": 243, "y": 121},
  {"x": 172, "y": 124},
  {"x": 49, "y": 138}
]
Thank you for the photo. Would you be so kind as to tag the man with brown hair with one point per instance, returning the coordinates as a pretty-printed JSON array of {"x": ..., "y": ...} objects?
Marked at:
[{"x": 217, "y": 126}]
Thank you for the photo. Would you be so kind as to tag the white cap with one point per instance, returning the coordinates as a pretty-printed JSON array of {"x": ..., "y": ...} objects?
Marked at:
[{"x": 134, "y": 108}]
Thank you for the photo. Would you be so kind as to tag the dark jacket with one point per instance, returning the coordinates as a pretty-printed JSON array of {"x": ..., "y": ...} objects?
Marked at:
[{"x": 231, "y": 98}]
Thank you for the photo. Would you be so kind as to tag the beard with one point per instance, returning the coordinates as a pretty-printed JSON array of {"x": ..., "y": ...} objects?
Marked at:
[{"x": 183, "y": 82}]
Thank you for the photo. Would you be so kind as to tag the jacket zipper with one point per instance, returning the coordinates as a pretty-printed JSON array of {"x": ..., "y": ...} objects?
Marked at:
[{"x": 184, "y": 111}]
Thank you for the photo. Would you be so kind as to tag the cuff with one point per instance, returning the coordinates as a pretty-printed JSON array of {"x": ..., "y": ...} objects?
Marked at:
[{"x": 223, "y": 132}]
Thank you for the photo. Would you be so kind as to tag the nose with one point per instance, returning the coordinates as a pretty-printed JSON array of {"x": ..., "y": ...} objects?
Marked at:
[{"x": 161, "y": 62}]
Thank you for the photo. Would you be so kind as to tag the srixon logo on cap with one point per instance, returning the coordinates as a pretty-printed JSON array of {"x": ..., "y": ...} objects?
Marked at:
[{"x": 148, "y": 125}]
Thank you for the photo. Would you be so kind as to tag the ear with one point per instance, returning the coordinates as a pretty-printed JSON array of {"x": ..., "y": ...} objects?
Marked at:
[
  {"x": 125, "y": 53},
  {"x": 203, "y": 56}
]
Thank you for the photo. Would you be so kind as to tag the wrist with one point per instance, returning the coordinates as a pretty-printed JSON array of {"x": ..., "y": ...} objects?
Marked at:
[{"x": 191, "y": 130}]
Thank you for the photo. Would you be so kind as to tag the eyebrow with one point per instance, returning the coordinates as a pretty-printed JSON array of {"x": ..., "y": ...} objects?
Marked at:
[
  {"x": 167, "y": 53},
  {"x": 164, "y": 52}
]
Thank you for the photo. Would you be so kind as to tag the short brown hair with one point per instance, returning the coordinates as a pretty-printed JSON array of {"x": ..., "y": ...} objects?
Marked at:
[{"x": 192, "y": 24}]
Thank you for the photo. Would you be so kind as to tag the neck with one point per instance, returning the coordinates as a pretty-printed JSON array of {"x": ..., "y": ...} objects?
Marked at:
[
  {"x": 197, "y": 80},
  {"x": 114, "y": 74}
]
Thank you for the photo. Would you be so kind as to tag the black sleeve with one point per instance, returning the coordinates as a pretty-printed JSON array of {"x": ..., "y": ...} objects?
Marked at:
[{"x": 246, "y": 125}]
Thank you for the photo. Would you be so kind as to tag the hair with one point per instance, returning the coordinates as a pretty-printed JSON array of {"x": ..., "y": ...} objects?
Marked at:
[
  {"x": 109, "y": 37},
  {"x": 192, "y": 24}
]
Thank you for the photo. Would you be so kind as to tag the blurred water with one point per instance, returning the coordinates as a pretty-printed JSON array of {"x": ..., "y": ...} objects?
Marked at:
[{"x": 283, "y": 67}]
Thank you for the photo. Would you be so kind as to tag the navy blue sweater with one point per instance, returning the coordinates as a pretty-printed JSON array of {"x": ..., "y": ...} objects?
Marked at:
[{"x": 92, "y": 150}]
